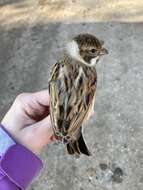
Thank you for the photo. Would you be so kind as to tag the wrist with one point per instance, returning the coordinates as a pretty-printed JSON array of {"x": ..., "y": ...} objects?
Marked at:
[
  {"x": 20, "y": 171},
  {"x": 6, "y": 140},
  {"x": 20, "y": 166}
]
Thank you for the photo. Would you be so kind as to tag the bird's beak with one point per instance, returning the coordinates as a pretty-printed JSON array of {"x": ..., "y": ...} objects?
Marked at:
[{"x": 104, "y": 51}]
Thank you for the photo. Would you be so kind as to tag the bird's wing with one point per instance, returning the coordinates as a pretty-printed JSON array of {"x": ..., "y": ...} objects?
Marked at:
[{"x": 71, "y": 95}]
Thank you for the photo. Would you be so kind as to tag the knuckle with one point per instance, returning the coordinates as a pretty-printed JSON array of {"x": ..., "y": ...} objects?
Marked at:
[{"x": 21, "y": 96}]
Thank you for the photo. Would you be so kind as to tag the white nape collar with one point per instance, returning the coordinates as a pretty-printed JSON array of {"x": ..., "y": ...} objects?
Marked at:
[{"x": 73, "y": 50}]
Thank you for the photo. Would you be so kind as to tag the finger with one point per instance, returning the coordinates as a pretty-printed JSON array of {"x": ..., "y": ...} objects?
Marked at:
[{"x": 42, "y": 97}]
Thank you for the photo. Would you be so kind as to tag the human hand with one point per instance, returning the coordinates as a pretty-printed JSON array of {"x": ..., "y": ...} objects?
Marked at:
[{"x": 28, "y": 120}]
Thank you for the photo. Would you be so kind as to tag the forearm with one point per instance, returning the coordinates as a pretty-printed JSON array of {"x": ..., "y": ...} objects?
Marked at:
[
  {"x": 18, "y": 165},
  {"x": 7, "y": 184}
]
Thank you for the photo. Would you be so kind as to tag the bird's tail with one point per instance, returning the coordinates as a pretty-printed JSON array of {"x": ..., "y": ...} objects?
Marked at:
[{"x": 78, "y": 147}]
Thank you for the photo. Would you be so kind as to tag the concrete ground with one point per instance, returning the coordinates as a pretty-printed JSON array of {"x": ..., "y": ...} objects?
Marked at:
[{"x": 32, "y": 34}]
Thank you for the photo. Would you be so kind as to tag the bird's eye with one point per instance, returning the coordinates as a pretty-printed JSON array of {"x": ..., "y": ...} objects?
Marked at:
[{"x": 93, "y": 50}]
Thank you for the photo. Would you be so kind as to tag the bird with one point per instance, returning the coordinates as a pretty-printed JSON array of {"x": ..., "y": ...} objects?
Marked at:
[{"x": 72, "y": 87}]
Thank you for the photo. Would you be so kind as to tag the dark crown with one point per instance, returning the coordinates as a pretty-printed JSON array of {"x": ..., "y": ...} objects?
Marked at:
[{"x": 87, "y": 40}]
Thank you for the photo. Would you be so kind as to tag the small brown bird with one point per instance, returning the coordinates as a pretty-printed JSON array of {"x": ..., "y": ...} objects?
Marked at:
[{"x": 72, "y": 89}]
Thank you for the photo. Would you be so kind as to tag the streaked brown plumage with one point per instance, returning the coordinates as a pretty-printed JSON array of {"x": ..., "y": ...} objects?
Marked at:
[{"x": 72, "y": 89}]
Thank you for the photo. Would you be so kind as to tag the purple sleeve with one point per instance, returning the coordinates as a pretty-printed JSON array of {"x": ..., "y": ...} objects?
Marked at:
[{"x": 18, "y": 165}]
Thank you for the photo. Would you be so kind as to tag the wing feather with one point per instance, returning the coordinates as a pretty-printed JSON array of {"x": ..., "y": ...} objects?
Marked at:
[{"x": 71, "y": 98}]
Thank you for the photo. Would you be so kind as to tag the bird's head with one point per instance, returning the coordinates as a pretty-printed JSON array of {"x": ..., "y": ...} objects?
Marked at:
[{"x": 86, "y": 48}]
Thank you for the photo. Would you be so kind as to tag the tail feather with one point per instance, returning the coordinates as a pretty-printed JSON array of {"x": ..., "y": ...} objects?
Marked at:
[
  {"x": 78, "y": 147},
  {"x": 82, "y": 146}
]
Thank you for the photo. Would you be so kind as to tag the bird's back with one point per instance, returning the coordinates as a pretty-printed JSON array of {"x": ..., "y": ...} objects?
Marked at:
[{"x": 72, "y": 88}]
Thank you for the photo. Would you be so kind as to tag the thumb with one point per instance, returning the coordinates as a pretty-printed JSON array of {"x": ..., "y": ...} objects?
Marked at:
[
  {"x": 43, "y": 130},
  {"x": 36, "y": 136}
]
